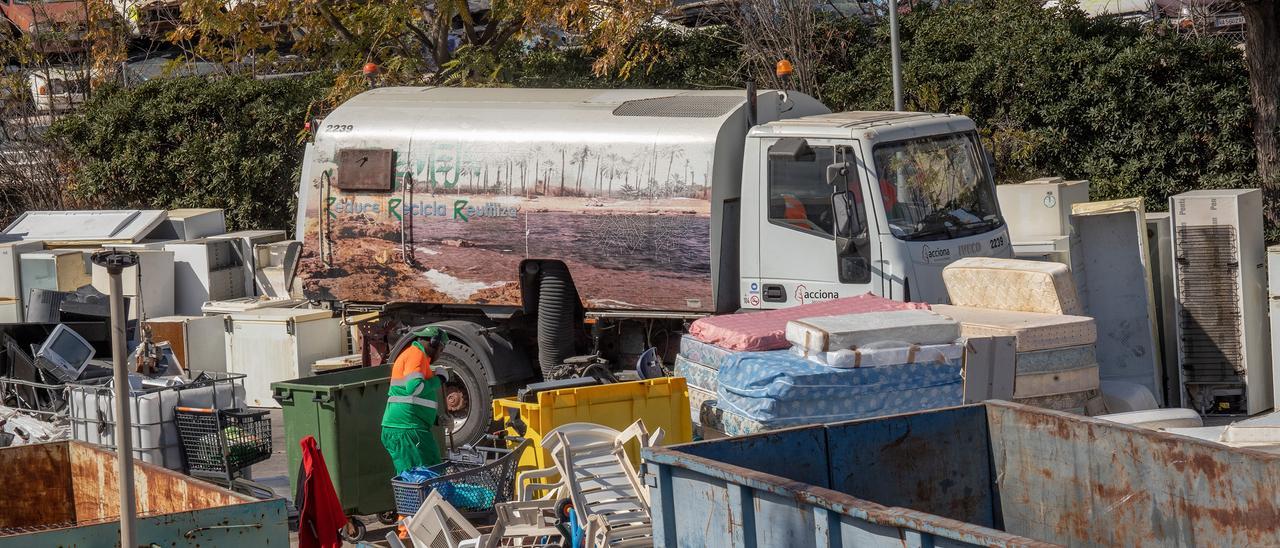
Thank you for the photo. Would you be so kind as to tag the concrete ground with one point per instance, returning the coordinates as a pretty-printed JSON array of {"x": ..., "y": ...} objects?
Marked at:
[{"x": 274, "y": 473}]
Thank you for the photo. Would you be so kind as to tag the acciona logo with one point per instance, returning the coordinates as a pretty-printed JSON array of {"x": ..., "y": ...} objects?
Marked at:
[
  {"x": 928, "y": 254},
  {"x": 803, "y": 295}
]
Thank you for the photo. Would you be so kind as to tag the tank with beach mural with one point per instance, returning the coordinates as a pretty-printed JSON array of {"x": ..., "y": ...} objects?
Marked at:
[{"x": 632, "y": 223}]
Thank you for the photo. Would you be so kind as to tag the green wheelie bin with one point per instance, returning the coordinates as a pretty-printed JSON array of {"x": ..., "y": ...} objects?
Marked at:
[{"x": 343, "y": 410}]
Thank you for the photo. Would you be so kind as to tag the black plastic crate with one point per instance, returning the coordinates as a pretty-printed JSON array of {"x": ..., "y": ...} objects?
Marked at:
[{"x": 222, "y": 443}]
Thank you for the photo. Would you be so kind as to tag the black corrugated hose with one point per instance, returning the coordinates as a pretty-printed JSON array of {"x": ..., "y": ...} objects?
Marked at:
[{"x": 557, "y": 304}]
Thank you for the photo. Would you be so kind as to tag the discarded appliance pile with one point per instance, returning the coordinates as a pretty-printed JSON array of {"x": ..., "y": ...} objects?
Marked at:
[{"x": 54, "y": 381}]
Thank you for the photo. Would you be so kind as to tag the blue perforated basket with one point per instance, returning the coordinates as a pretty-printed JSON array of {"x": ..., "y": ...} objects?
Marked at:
[{"x": 473, "y": 489}]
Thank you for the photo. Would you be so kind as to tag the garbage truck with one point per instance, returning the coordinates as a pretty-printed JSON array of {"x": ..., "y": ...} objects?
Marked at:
[{"x": 538, "y": 226}]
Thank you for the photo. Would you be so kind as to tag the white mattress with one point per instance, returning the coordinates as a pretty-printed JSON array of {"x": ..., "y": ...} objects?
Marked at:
[
  {"x": 1055, "y": 382},
  {"x": 1034, "y": 331},
  {"x": 1087, "y": 402},
  {"x": 1056, "y": 359},
  {"x": 853, "y": 331},
  {"x": 1012, "y": 284},
  {"x": 698, "y": 399}
]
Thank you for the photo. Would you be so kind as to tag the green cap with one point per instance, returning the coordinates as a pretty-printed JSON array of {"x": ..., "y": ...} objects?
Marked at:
[{"x": 431, "y": 332}]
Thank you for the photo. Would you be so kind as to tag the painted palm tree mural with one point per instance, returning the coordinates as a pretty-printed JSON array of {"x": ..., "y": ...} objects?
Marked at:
[{"x": 632, "y": 222}]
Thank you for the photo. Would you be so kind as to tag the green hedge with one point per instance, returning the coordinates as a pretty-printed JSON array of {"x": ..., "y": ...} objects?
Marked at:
[
  {"x": 231, "y": 143},
  {"x": 1139, "y": 112}
]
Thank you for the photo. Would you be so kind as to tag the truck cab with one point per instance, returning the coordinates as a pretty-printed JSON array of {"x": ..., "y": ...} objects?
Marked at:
[{"x": 854, "y": 202}]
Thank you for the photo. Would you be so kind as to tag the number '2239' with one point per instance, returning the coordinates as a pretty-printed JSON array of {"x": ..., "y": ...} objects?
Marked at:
[
  {"x": 339, "y": 128},
  {"x": 997, "y": 242}
]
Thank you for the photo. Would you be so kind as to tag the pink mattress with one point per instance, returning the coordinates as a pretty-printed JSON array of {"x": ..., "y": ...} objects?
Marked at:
[{"x": 755, "y": 331}]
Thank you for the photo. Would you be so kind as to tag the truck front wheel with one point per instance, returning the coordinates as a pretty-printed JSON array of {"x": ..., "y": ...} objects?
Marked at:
[{"x": 468, "y": 401}]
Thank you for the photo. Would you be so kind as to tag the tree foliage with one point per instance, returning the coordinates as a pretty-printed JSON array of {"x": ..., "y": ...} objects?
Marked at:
[
  {"x": 702, "y": 59},
  {"x": 415, "y": 40},
  {"x": 231, "y": 143}
]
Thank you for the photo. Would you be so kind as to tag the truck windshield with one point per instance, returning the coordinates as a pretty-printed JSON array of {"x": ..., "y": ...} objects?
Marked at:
[{"x": 936, "y": 188}]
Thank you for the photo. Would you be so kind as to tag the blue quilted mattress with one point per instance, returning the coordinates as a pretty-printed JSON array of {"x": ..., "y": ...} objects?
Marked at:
[
  {"x": 705, "y": 354},
  {"x": 779, "y": 388},
  {"x": 696, "y": 374}
]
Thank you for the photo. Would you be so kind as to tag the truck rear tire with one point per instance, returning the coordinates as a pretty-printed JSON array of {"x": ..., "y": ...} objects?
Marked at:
[
  {"x": 467, "y": 409},
  {"x": 557, "y": 305}
]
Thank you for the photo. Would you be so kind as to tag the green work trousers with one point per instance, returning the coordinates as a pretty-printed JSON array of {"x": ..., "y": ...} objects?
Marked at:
[{"x": 410, "y": 447}]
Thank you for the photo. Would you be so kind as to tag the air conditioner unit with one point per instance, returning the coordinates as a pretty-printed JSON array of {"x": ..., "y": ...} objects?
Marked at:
[{"x": 1219, "y": 280}]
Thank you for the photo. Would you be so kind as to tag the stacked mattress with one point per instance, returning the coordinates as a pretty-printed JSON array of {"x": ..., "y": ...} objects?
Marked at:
[
  {"x": 845, "y": 367},
  {"x": 767, "y": 330},
  {"x": 699, "y": 363},
  {"x": 781, "y": 388},
  {"x": 1035, "y": 302},
  {"x": 1012, "y": 284}
]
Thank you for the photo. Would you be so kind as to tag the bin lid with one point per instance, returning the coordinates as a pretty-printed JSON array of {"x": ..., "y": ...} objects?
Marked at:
[{"x": 276, "y": 315}]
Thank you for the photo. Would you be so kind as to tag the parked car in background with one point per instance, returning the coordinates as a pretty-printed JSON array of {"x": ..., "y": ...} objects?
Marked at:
[
  {"x": 1138, "y": 11},
  {"x": 1193, "y": 17},
  {"x": 59, "y": 89},
  {"x": 54, "y": 26},
  {"x": 152, "y": 19},
  {"x": 172, "y": 64},
  {"x": 1204, "y": 17}
]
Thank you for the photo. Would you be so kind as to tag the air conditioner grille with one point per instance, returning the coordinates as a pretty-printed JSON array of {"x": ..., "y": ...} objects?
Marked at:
[
  {"x": 1210, "y": 318},
  {"x": 680, "y": 106}
]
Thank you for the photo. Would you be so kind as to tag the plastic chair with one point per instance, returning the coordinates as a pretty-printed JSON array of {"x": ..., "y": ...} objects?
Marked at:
[
  {"x": 610, "y": 501},
  {"x": 438, "y": 523},
  {"x": 525, "y": 523}
]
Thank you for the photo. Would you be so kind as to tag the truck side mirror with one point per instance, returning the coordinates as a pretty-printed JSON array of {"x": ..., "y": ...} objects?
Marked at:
[
  {"x": 848, "y": 225},
  {"x": 837, "y": 173}
]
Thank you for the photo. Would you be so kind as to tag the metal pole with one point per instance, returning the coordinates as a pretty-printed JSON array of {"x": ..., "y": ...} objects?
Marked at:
[
  {"x": 897, "y": 55},
  {"x": 115, "y": 263}
]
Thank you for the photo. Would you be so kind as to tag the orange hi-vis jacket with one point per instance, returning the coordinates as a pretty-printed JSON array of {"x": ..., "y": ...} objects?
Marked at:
[
  {"x": 793, "y": 209},
  {"x": 411, "y": 401}
]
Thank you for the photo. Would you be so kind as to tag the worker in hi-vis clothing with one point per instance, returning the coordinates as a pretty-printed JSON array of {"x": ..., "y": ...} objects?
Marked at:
[{"x": 412, "y": 403}]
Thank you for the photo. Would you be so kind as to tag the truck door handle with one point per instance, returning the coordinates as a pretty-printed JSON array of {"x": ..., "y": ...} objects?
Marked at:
[{"x": 774, "y": 293}]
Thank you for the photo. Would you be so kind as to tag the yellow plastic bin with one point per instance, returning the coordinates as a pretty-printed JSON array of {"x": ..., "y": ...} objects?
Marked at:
[{"x": 660, "y": 403}]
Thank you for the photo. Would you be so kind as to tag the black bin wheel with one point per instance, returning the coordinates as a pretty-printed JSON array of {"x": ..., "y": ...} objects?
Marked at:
[
  {"x": 390, "y": 517},
  {"x": 353, "y": 531}
]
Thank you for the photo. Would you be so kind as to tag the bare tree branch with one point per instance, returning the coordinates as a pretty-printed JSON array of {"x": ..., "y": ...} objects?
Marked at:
[{"x": 334, "y": 22}]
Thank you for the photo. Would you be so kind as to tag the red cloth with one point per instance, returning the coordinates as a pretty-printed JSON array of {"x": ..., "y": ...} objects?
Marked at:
[
  {"x": 321, "y": 515},
  {"x": 753, "y": 331}
]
